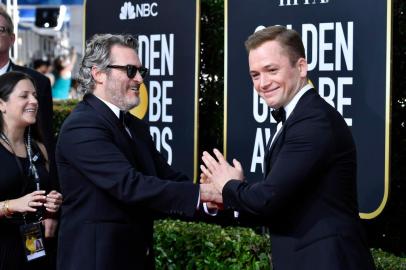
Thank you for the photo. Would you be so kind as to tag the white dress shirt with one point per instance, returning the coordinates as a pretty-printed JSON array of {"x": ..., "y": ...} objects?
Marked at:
[
  {"x": 116, "y": 111},
  {"x": 5, "y": 68}
]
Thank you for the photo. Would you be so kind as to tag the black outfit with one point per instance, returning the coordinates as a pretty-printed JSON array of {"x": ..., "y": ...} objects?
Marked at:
[
  {"x": 113, "y": 186},
  {"x": 309, "y": 196},
  {"x": 12, "y": 186}
]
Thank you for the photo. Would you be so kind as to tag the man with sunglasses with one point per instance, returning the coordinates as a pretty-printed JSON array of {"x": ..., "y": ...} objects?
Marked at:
[{"x": 113, "y": 179}]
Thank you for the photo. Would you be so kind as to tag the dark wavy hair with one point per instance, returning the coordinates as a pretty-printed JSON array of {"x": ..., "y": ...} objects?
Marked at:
[{"x": 8, "y": 82}]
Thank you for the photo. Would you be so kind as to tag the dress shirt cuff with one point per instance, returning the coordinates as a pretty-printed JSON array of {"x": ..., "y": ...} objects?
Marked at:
[
  {"x": 211, "y": 212},
  {"x": 198, "y": 202}
]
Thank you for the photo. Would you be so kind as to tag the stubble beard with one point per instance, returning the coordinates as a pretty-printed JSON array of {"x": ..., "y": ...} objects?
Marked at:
[{"x": 119, "y": 99}]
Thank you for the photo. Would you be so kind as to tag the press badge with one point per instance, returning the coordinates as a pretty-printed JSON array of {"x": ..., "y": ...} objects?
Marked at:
[{"x": 33, "y": 241}]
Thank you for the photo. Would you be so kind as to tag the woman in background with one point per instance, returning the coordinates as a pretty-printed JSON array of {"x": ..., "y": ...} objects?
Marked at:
[
  {"x": 63, "y": 66},
  {"x": 27, "y": 194}
]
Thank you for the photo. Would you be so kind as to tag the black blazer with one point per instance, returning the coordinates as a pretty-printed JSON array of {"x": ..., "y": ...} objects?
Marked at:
[
  {"x": 308, "y": 197},
  {"x": 112, "y": 186}
]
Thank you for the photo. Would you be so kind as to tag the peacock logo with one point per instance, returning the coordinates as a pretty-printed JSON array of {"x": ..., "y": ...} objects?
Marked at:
[{"x": 127, "y": 11}]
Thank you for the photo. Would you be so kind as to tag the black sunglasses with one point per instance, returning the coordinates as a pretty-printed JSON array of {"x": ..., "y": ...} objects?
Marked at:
[{"x": 131, "y": 70}]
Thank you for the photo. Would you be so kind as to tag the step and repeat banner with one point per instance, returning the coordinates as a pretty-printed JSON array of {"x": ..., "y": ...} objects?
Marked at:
[
  {"x": 348, "y": 51},
  {"x": 167, "y": 32}
]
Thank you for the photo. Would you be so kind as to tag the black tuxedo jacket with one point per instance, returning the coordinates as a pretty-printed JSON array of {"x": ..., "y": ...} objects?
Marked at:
[
  {"x": 308, "y": 197},
  {"x": 112, "y": 186}
]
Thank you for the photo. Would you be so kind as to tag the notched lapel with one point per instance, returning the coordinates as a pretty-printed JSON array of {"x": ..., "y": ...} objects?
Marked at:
[
  {"x": 142, "y": 149},
  {"x": 122, "y": 139},
  {"x": 270, "y": 154},
  {"x": 279, "y": 139}
]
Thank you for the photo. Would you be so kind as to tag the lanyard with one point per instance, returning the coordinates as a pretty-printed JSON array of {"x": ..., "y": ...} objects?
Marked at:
[{"x": 32, "y": 169}]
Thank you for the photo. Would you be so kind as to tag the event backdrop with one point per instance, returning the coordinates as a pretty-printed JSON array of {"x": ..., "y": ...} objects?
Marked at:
[
  {"x": 348, "y": 50},
  {"x": 167, "y": 32}
]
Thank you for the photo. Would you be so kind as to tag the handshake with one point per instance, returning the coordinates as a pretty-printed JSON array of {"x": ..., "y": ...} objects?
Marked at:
[{"x": 216, "y": 172}]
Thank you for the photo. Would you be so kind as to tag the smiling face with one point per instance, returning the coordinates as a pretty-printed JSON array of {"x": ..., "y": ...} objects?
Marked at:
[
  {"x": 114, "y": 85},
  {"x": 275, "y": 78},
  {"x": 20, "y": 110}
]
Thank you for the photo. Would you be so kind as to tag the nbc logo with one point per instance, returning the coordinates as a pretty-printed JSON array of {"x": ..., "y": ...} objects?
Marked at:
[{"x": 129, "y": 12}]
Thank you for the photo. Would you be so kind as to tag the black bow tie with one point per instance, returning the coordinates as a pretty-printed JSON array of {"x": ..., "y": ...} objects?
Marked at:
[
  {"x": 279, "y": 115},
  {"x": 124, "y": 118}
]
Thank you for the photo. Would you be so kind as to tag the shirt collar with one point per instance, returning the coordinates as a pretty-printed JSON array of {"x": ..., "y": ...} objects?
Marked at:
[
  {"x": 114, "y": 108},
  {"x": 5, "y": 68},
  {"x": 292, "y": 104}
]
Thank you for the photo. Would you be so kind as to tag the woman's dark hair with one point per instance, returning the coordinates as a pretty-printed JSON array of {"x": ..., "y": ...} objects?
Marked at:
[
  {"x": 8, "y": 82},
  {"x": 58, "y": 65}
]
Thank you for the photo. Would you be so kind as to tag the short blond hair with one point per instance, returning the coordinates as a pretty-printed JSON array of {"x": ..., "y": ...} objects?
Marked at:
[{"x": 289, "y": 40}]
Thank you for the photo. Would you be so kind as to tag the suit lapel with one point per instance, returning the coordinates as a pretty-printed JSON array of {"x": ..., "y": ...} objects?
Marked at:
[
  {"x": 121, "y": 137},
  {"x": 279, "y": 139},
  {"x": 267, "y": 157},
  {"x": 275, "y": 141},
  {"x": 143, "y": 148},
  {"x": 270, "y": 149},
  {"x": 12, "y": 67}
]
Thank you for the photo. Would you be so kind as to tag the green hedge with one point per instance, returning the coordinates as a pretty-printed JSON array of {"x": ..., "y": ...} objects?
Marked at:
[
  {"x": 61, "y": 110},
  {"x": 189, "y": 245},
  {"x": 388, "y": 261}
]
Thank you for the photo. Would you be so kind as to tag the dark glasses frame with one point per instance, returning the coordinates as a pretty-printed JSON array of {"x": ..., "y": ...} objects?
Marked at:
[
  {"x": 131, "y": 70},
  {"x": 4, "y": 29}
]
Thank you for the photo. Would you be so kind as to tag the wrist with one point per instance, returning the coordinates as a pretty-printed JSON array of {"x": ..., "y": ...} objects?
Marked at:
[
  {"x": 6, "y": 209},
  {"x": 50, "y": 215}
]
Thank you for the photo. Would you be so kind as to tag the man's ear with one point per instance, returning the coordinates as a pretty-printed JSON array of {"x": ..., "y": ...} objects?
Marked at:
[
  {"x": 13, "y": 39},
  {"x": 99, "y": 76},
  {"x": 302, "y": 66}
]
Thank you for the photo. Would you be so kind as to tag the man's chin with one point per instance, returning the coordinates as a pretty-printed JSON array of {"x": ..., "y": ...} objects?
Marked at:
[
  {"x": 271, "y": 103},
  {"x": 131, "y": 105}
]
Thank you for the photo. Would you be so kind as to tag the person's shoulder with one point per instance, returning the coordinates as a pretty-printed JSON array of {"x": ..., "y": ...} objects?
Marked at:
[
  {"x": 83, "y": 115},
  {"x": 82, "y": 111},
  {"x": 313, "y": 110},
  {"x": 311, "y": 103},
  {"x": 38, "y": 77},
  {"x": 136, "y": 119},
  {"x": 139, "y": 123}
]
